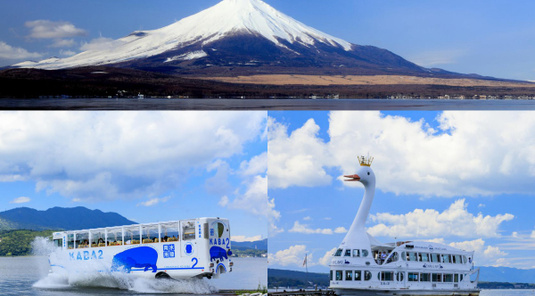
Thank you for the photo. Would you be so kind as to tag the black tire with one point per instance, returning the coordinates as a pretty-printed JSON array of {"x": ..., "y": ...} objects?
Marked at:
[{"x": 162, "y": 275}]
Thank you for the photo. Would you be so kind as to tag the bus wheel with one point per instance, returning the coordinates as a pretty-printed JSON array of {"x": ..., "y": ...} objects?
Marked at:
[{"x": 162, "y": 275}]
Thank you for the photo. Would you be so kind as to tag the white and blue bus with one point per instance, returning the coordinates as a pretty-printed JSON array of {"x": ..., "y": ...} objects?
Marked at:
[{"x": 177, "y": 249}]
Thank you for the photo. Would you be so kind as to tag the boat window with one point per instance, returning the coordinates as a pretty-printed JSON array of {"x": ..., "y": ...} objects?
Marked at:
[
  {"x": 403, "y": 256},
  {"x": 70, "y": 240},
  {"x": 338, "y": 275},
  {"x": 338, "y": 253},
  {"x": 349, "y": 275},
  {"x": 434, "y": 258},
  {"x": 149, "y": 234},
  {"x": 425, "y": 277},
  {"x": 169, "y": 232},
  {"x": 205, "y": 230},
  {"x": 386, "y": 276},
  {"x": 357, "y": 275},
  {"x": 457, "y": 259},
  {"x": 447, "y": 258},
  {"x": 399, "y": 276},
  {"x": 456, "y": 278},
  {"x": 356, "y": 253},
  {"x": 131, "y": 235},
  {"x": 98, "y": 238},
  {"x": 188, "y": 230},
  {"x": 393, "y": 258},
  {"x": 220, "y": 229},
  {"x": 115, "y": 237},
  {"x": 82, "y": 239},
  {"x": 411, "y": 256},
  {"x": 464, "y": 260},
  {"x": 367, "y": 275},
  {"x": 413, "y": 277},
  {"x": 364, "y": 253},
  {"x": 347, "y": 253},
  {"x": 436, "y": 277},
  {"x": 448, "y": 278},
  {"x": 423, "y": 257},
  {"x": 58, "y": 242},
  {"x": 461, "y": 276}
]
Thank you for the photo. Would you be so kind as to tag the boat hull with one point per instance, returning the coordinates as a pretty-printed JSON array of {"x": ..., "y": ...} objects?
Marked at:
[{"x": 371, "y": 292}]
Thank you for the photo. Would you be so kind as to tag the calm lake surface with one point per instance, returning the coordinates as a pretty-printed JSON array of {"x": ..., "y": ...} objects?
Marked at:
[
  {"x": 29, "y": 276},
  {"x": 263, "y": 104}
]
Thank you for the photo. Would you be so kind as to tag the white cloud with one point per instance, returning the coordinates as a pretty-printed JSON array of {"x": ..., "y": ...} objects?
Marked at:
[
  {"x": 20, "y": 200},
  {"x": 63, "y": 43},
  {"x": 484, "y": 255},
  {"x": 257, "y": 165},
  {"x": 438, "y": 57},
  {"x": 98, "y": 44},
  {"x": 471, "y": 153},
  {"x": 16, "y": 53},
  {"x": 294, "y": 255},
  {"x": 242, "y": 238},
  {"x": 304, "y": 228},
  {"x": 454, "y": 221},
  {"x": 296, "y": 159},
  {"x": 340, "y": 229},
  {"x": 154, "y": 201},
  {"x": 46, "y": 29},
  {"x": 119, "y": 155},
  {"x": 66, "y": 53},
  {"x": 326, "y": 259}
]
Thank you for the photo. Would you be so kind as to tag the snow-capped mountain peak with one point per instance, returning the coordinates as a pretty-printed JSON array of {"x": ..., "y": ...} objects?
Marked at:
[{"x": 227, "y": 18}]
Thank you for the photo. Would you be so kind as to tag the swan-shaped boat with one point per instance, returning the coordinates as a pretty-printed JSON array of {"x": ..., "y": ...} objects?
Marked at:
[{"x": 364, "y": 266}]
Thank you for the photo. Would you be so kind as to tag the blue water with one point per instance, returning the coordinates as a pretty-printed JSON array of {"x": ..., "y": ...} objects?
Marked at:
[
  {"x": 29, "y": 276},
  {"x": 264, "y": 104}
]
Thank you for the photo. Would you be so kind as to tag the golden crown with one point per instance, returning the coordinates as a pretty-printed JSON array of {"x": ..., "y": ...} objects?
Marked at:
[{"x": 365, "y": 161}]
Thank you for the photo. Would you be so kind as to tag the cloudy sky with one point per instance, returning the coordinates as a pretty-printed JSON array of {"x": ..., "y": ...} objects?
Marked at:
[
  {"x": 146, "y": 166},
  {"x": 464, "y": 179},
  {"x": 489, "y": 38}
]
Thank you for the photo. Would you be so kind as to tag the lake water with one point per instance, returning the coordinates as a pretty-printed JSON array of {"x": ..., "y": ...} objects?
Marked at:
[
  {"x": 263, "y": 104},
  {"x": 29, "y": 276}
]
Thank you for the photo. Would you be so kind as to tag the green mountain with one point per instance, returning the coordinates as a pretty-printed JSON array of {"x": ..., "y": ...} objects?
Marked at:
[
  {"x": 256, "y": 245},
  {"x": 59, "y": 218}
]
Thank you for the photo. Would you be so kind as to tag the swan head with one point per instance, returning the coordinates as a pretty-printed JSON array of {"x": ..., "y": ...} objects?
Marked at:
[{"x": 364, "y": 174}]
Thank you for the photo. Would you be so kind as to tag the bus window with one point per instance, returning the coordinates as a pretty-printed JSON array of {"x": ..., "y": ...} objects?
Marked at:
[
  {"x": 188, "y": 230},
  {"x": 82, "y": 240},
  {"x": 115, "y": 237},
  {"x": 131, "y": 235},
  {"x": 97, "y": 238},
  {"x": 149, "y": 234},
  {"x": 169, "y": 232}
]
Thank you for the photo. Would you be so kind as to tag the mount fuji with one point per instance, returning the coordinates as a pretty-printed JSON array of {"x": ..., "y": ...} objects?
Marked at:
[{"x": 237, "y": 37}]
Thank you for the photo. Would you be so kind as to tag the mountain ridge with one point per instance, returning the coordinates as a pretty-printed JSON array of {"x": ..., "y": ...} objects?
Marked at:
[
  {"x": 240, "y": 37},
  {"x": 61, "y": 218}
]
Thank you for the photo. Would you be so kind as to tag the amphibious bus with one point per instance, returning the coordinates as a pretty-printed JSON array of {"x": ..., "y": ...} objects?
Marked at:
[{"x": 177, "y": 249}]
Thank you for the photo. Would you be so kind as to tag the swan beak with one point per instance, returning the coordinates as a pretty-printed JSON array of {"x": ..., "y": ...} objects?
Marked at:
[{"x": 354, "y": 177}]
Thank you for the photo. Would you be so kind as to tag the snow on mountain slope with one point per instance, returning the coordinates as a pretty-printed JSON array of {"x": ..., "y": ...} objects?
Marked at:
[{"x": 227, "y": 18}]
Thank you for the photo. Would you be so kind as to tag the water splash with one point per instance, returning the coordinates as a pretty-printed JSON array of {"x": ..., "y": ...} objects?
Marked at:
[
  {"x": 42, "y": 246},
  {"x": 98, "y": 276}
]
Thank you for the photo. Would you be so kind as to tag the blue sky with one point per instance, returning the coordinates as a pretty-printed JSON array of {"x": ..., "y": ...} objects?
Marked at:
[
  {"x": 460, "y": 178},
  {"x": 489, "y": 38},
  {"x": 146, "y": 166}
]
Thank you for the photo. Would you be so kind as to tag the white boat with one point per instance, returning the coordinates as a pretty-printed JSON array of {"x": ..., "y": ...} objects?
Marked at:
[
  {"x": 364, "y": 266},
  {"x": 178, "y": 249}
]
